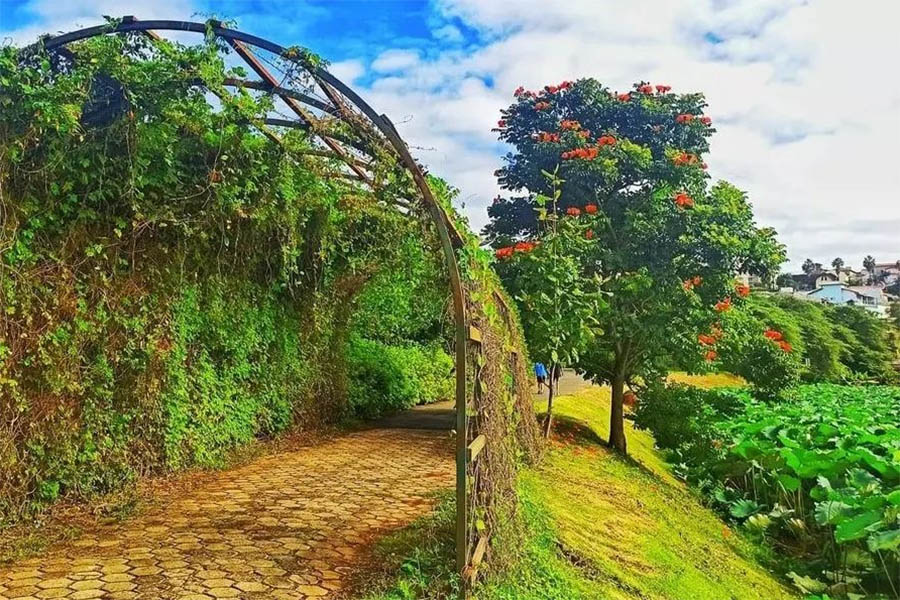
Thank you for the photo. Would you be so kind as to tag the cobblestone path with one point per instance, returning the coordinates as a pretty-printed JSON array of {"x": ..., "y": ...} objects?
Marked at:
[{"x": 285, "y": 526}]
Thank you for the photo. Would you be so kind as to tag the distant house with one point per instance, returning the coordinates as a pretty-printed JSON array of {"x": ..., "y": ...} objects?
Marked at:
[
  {"x": 871, "y": 298},
  {"x": 888, "y": 272}
]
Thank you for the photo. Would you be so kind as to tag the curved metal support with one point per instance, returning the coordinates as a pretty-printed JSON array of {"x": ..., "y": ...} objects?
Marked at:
[{"x": 450, "y": 237}]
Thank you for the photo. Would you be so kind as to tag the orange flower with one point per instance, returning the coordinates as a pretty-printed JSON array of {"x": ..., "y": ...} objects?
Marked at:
[
  {"x": 524, "y": 246},
  {"x": 624, "y": 97},
  {"x": 742, "y": 290},
  {"x": 710, "y": 355},
  {"x": 573, "y": 211},
  {"x": 697, "y": 280},
  {"x": 684, "y": 158},
  {"x": 567, "y": 124},
  {"x": 723, "y": 305},
  {"x": 773, "y": 335},
  {"x": 706, "y": 340},
  {"x": 543, "y": 136},
  {"x": 684, "y": 201},
  {"x": 646, "y": 89},
  {"x": 785, "y": 346},
  {"x": 590, "y": 209},
  {"x": 706, "y": 120},
  {"x": 552, "y": 89},
  {"x": 589, "y": 234},
  {"x": 541, "y": 105},
  {"x": 684, "y": 118},
  {"x": 662, "y": 89},
  {"x": 502, "y": 253},
  {"x": 630, "y": 399},
  {"x": 726, "y": 533},
  {"x": 501, "y": 123},
  {"x": 519, "y": 91},
  {"x": 687, "y": 284},
  {"x": 606, "y": 140}
]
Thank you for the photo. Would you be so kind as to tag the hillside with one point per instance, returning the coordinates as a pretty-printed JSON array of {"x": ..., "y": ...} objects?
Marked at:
[{"x": 601, "y": 527}]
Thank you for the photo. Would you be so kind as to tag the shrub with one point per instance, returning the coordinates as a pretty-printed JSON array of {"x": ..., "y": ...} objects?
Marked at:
[
  {"x": 682, "y": 417},
  {"x": 385, "y": 378},
  {"x": 746, "y": 351}
]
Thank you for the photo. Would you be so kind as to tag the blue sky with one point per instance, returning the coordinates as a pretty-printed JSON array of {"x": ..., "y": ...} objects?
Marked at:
[{"x": 801, "y": 93}]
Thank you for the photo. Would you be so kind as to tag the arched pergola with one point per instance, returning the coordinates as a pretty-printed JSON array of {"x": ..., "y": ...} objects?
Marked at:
[{"x": 317, "y": 103}]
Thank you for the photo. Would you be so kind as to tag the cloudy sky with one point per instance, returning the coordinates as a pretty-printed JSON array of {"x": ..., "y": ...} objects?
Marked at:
[{"x": 804, "y": 94}]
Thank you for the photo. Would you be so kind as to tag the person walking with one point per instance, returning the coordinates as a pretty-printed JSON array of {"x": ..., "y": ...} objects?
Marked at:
[
  {"x": 540, "y": 372},
  {"x": 557, "y": 373}
]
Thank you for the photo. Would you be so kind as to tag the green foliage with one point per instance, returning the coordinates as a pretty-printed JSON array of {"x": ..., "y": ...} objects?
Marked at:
[
  {"x": 681, "y": 417},
  {"x": 746, "y": 351},
  {"x": 636, "y": 161},
  {"x": 387, "y": 378},
  {"x": 817, "y": 473},
  {"x": 234, "y": 370},
  {"x": 172, "y": 283},
  {"x": 407, "y": 301},
  {"x": 866, "y": 346},
  {"x": 561, "y": 300}
]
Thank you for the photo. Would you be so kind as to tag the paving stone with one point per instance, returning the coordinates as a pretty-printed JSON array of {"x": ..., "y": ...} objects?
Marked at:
[{"x": 289, "y": 526}]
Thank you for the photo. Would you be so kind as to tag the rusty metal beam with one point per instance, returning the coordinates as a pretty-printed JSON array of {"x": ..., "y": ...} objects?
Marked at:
[{"x": 245, "y": 53}]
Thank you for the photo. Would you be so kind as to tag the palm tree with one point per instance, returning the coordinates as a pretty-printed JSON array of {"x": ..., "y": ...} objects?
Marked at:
[
  {"x": 869, "y": 263},
  {"x": 837, "y": 264}
]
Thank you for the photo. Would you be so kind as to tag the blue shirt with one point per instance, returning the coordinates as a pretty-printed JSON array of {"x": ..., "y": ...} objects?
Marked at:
[{"x": 540, "y": 370}]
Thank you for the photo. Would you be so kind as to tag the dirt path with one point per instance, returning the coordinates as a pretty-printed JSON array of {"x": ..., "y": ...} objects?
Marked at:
[{"x": 285, "y": 526}]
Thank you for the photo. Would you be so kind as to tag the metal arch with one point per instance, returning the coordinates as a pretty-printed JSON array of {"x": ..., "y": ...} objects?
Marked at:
[{"x": 450, "y": 237}]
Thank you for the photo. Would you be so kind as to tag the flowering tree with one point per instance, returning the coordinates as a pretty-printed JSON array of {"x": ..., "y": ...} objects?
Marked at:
[{"x": 665, "y": 245}]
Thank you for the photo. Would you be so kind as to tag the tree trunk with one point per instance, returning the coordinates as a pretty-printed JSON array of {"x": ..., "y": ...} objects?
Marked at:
[
  {"x": 551, "y": 390},
  {"x": 617, "y": 412}
]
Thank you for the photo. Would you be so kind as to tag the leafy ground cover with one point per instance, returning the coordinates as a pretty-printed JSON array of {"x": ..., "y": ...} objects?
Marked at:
[
  {"x": 600, "y": 526},
  {"x": 816, "y": 474}
]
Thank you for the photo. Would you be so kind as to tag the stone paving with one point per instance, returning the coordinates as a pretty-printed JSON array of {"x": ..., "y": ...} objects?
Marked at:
[{"x": 286, "y": 526}]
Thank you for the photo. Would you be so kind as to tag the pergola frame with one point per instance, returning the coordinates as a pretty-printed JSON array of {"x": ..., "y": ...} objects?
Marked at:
[{"x": 356, "y": 154}]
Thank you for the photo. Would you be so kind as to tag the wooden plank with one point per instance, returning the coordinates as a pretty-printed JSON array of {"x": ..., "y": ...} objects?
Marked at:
[
  {"x": 474, "y": 334},
  {"x": 476, "y": 447},
  {"x": 477, "y": 557}
]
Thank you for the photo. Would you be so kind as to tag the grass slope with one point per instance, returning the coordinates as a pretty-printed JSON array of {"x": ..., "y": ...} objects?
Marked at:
[
  {"x": 602, "y": 528},
  {"x": 629, "y": 526}
]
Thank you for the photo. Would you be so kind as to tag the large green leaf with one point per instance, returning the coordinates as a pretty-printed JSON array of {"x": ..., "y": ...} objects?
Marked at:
[
  {"x": 884, "y": 540},
  {"x": 744, "y": 508},
  {"x": 857, "y": 527},
  {"x": 830, "y": 511}
]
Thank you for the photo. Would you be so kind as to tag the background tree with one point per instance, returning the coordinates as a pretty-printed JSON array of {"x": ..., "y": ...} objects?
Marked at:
[
  {"x": 837, "y": 263},
  {"x": 785, "y": 280},
  {"x": 809, "y": 267},
  {"x": 666, "y": 245}
]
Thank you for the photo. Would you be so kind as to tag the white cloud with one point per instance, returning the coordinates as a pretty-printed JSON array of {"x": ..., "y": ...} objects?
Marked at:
[
  {"x": 395, "y": 60},
  {"x": 347, "y": 70},
  {"x": 448, "y": 33}
]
